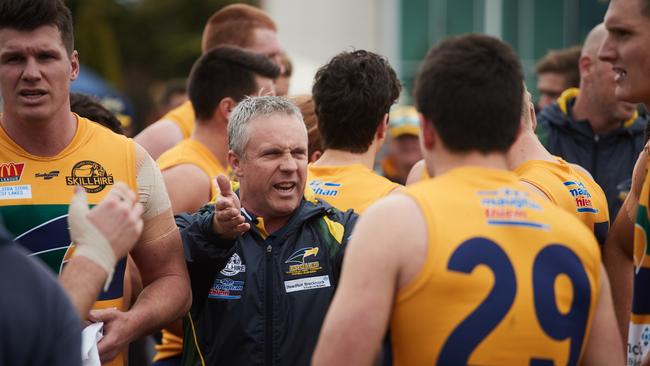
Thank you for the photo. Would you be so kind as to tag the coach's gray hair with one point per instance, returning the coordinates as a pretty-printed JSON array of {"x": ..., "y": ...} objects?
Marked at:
[{"x": 251, "y": 108}]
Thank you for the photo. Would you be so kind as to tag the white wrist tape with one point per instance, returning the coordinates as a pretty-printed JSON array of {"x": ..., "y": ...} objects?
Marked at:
[{"x": 89, "y": 241}]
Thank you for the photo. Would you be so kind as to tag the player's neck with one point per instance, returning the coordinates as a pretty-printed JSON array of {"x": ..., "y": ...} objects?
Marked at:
[
  {"x": 340, "y": 158},
  {"x": 333, "y": 157},
  {"x": 44, "y": 138},
  {"x": 214, "y": 137},
  {"x": 527, "y": 147},
  {"x": 446, "y": 161}
]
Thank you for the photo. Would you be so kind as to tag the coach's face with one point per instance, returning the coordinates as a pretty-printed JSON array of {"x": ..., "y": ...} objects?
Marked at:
[{"x": 272, "y": 172}]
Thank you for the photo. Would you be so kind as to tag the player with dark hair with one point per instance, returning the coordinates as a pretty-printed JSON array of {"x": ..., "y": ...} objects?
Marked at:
[
  {"x": 470, "y": 267},
  {"x": 353, "y": 94},
  {"x": 46, "y": 150}
]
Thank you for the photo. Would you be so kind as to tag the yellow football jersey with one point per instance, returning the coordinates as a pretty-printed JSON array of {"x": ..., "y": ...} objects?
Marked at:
[
  {"x": 348, "y": 187},
  {"x": 190, "y": 151},
  {"x": 638, "y": 342},
  {"x": 571, "y": 189},
  {"x": 35, "y": 193},
  {"x": 183, "y": 117},
  {"x": 509, "y": 278}
]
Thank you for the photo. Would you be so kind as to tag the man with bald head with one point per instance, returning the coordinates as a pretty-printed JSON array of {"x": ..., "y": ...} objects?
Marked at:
[
  {"x": 627, "y": 48},
  {"x": 590, "y": 127}
]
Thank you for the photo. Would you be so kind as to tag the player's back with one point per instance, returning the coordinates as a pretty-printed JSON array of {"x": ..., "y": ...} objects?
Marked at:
[
  {"x": 509, "y": 278},
  {"x": 573, "y": 190}
]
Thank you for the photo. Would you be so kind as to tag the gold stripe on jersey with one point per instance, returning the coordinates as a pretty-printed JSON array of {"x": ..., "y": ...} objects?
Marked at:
[
  {"x": 35, "y": 192},
  {"x": 571, "y": 189},
  {"x": 190, "y": 151},
  {"x": 348, "y": 186},
  {"x": 183, "y": 117},
  {"x": 638, "y": 342},
  {"x": 504, "y": 268}
]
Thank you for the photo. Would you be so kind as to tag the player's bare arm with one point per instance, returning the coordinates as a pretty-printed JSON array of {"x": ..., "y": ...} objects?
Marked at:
[
  {"x": 415, "y": 175},
  {"x": 159, "y": 137},
  {"x": 102, "y": 236},
  {"x": 619, "y": 247},
  {"x": 188, "y": 187},
  {"x": 160, "y": 259},
  {"x": 373, "y": 271},
  {"x": 604, "y": 347}
]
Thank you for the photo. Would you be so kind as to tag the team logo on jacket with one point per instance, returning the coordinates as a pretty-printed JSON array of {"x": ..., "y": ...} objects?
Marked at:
[
  {"x": 327, "y": 189},
  {"x": 233, "y": 266},
  {"x": 11, "y": 172},
  {"x": 298, "y": 264},
  {"x": 90, "y": 175},
  {"x": 581, "y": 195}
]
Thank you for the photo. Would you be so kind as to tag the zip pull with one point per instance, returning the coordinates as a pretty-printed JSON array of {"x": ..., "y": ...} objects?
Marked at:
[{"x": 269, "y": 248}]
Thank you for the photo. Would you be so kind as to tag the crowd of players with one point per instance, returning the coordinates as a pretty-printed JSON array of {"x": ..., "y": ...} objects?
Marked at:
[{"x": 260, "y": 234}]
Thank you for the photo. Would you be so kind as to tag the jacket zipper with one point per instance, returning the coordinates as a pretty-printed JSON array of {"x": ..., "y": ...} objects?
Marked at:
[{"x": 269, "y": 306}]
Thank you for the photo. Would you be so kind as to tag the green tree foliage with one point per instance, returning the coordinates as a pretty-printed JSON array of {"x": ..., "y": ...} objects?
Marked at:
[{"x": 137, "y": 43}]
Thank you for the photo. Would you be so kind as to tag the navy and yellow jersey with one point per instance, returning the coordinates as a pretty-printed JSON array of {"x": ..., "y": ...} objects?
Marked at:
[
  {"x": 183, "y": 117},
  {"x": 638, "y": 343},
  {"x": 35, "y": 193},
  {"x": 509, "y": 278},
  {"x": 572, "y": 189},
  {"x": 348, "y": 186}
]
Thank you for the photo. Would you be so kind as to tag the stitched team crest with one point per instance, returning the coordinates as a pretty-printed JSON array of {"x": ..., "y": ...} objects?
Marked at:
[{"x": 298, "y": 257}]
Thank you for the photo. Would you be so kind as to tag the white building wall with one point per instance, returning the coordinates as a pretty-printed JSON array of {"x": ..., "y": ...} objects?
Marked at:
[{"x": 313, "y": 31}]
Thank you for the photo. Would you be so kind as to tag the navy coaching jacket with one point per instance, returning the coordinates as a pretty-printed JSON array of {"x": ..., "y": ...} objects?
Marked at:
[{"x": 261, "y": 299}]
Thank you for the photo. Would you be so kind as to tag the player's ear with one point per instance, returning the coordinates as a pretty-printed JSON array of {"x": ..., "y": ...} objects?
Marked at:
[
  {"x": 225, "y": 106},
  {"x": 428, "y": 133},
  {"x": 235, "y": 162},
  {"x": 382, "y": 127},
  {"x": 74, "y": 65}
]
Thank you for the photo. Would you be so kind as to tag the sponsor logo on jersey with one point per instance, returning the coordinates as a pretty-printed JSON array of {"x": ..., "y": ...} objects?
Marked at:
[
  {"x": 11, "y": 172},
  {"x": 234, "y": 266},
  {"x": 90, "y": 175},
  {"x": 638, "y": 342},
  {"x": 581, "y": 196},
  {"x": 226, "y": 289},
  {"x": 328, "y": 189},
  {"x": 298, "y": 264},
  {"x": 18, "y": 192},
  {"x": 509, "y": 207},
  {"x": 47, "y": 176}
]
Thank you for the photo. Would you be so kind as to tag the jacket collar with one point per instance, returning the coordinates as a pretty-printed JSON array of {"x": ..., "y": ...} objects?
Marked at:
[{"x": 567, "y": 98}]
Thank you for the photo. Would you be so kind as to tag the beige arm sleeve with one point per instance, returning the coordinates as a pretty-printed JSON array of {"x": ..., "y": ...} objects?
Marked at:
[{"x": 151, "y": 186}]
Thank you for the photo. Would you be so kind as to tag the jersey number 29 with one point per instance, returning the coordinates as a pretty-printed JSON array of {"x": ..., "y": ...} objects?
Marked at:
[{"x": 552, "y": 261}]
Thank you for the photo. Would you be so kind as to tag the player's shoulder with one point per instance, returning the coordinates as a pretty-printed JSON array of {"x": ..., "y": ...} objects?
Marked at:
[{"x": 186, "y": 172}]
